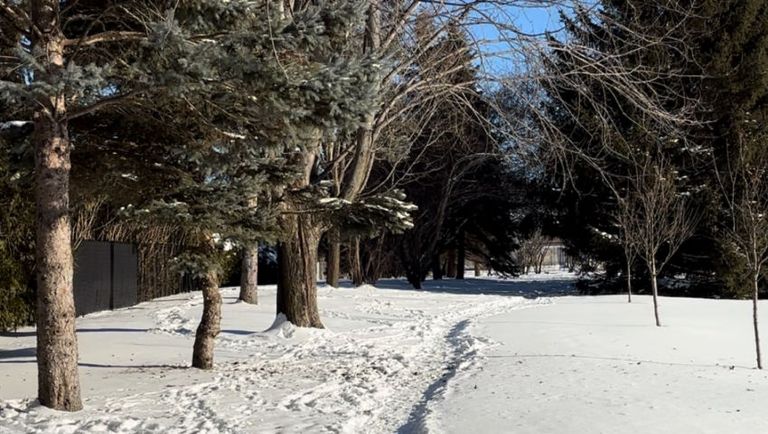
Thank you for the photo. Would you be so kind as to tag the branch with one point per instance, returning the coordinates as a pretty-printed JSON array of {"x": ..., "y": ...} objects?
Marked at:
[
  {"x": 18, "y": 18},
  {"x": 110, "y": 36},
  {"x": 106, "y": 102}
]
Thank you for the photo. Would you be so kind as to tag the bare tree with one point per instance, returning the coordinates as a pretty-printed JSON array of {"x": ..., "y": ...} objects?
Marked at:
[
  {"x": 624, "y": 220},
  {"x": 744, "y": 186},
  {"x": 659, "y": 219},
  {"x": 532, "y": 252}
]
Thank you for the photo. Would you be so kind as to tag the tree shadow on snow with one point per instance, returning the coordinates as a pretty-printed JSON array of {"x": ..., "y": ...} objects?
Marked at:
[
  {"x": 517, "y": 288},
  {"x": 32, "y": 333},
  {"x": 17, "y": 354}
]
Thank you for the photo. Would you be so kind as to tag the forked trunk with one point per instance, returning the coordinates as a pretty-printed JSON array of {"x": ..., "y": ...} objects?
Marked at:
[
  {"x": 334, "y": 259},
  {"x": 755, "y": 298},
  {"x": 297, "y": 259},
  {"x": 655, "y": 287},
  {"x": 249, "y": 286},
  {"x": 210, "y": 323},
  {"x": 57, "y": 373}
]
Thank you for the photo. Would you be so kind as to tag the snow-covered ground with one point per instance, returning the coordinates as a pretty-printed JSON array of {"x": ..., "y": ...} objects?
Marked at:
[{"x": 481, "y": 355}]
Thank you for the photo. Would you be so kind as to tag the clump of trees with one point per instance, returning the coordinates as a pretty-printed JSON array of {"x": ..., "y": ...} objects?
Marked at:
[
  {"x": 649, "y": 114},
  {"x": 367, "y": 127}
]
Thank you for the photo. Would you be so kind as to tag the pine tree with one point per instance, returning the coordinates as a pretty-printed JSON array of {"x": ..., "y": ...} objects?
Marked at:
[{"x": 99, "y": 68}]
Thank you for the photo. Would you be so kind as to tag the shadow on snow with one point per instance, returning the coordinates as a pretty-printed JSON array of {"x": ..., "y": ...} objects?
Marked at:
[{"x": 515, "y": 287}]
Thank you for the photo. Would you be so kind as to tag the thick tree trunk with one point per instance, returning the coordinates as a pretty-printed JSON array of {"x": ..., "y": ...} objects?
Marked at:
[
  {"x": 210, "y": 324},
  {"x": 629, "y": 281},
  {"x": 461, "y": 256},
  {"x": 437, "y": 268},
  {"x": 451, "y": 269},
  {"x": 249, "y": 284},
  {"x": 356, "y": 263},
  {"x": 755, "y": 298},
  {"x": 296, "y": 285},
  {"x": 58, "y": 381},
  {"x": 655, "y": 287},
  {"x": 334, "y": 259}
]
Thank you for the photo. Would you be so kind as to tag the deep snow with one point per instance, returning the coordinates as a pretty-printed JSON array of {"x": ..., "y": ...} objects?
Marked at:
[{"x": 521, "y": 357}]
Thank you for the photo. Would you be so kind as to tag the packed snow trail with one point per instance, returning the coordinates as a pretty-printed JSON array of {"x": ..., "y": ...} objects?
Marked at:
[{"x": 387, "y": 357}]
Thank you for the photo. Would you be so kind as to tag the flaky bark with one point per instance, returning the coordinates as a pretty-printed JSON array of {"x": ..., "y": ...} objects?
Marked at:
[
  {"x": 249, "y": 276},
  {"x": 58, "y": 379},
  {"x": 297, "y": 258},
  {"x": 210, "y": 323}
]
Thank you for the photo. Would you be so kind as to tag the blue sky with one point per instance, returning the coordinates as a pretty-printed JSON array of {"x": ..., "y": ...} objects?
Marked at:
[{"x": 497, "y": 57}]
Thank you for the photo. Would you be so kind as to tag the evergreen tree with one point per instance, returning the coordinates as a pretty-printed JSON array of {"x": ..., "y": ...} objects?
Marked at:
[{"x": 187, "y": 98}]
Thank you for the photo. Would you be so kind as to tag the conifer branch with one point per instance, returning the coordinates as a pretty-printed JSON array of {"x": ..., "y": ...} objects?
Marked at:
[
  {"x": 110, "y": 36},
  {"x": 74, "y": 114}
]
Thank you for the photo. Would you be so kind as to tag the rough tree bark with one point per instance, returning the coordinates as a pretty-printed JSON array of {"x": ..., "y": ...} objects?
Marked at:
[
  {"x": 334, "y": 259},
  {"x": 296, "y": 286},
  {"x": 210, "y": 323},
  {"x": 249, "y": 286},
  {"x": 58, "y": 379}
]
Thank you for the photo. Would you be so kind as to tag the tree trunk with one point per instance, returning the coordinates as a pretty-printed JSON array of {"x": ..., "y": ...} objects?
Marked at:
[
  {"x": 58, "y": 379},
  {"x": 629, "y": 281},
  {"x": 249, "y": 276},
  {"x": 296, "y": 285},
  {"x": 755, "y": 298},
  {"x": 461, "y": 258},
  {"x": 655, "y": 287},
  {"x": 210, "y": 323},
  {"x": 334, "y": 259},
  {"x": 249, "y": 284},
  {"x": 477, "y": 269},
  {"x": 437, "y": 268},
  {"x": 356, "y": 263},
  {"x": 451, "y": 269}
]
